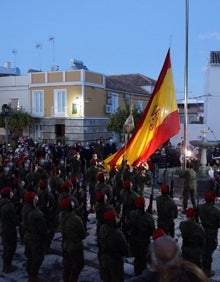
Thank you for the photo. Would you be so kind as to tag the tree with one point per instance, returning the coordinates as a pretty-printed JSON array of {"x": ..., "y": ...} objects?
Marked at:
[
  {"x": 17, "y": 120},
  {"x": 117, "y": 120}
]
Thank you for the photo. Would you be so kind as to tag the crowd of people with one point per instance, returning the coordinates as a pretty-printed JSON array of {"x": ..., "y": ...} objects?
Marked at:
[{"x": 47, "y": 188}]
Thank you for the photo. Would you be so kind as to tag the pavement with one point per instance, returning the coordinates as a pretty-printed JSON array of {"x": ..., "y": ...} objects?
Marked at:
[{"x": 51, "y": 269}]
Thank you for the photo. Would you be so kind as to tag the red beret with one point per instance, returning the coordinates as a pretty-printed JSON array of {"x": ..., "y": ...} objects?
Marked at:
[
  {"x": 109, "y": 215},
  {"x": 29, "y": 196},
  {"x": 74, "y": 180},
  {"x": 127, "y": 184},
  {"x": 191, "y": 213},
  {"x": 67, "y": 185},
  {"x": 100, "y": 177},
  {"x": 99, "y": 196},
  {"x": 139, "y": 202},
  {"x": 209, "y": 196},
  {"x": 158, "y": 233},
  {"x": 164, "y": 188},
  {"x": 6, "y": 191},
  {"x": 65, "y": 203},
  {"x": 43, "y": 183}
]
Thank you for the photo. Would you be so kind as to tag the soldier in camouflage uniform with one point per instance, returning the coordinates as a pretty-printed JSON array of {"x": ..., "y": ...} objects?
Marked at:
[
  {"x": 193, "y": 236},
  {"x": 73, "y": 233},
  {"x": 112, "y": 247},
  {"x": 103, "y": 186},
  {"x": 127, "y": 198},
  {"x": 9, "y": 221},
  {"x": 190, "y": 187},
  {"x": 141, "y": 229},
  {"x": 35, "y": 235},
  {"x": 210, "y": 219},
  {"x": 166, "y": 211},
  {"x": 142, "y": 178}
]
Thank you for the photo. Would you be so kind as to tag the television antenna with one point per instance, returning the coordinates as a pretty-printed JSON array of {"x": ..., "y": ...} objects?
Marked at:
[
  {"x": 52, "y": 39},
  {"x": 39, "y": 47}
]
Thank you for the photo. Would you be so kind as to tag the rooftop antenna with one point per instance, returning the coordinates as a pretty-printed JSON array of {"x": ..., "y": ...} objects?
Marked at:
[
  {"x": 39, "y": 47},
  {"x": 52, "y": 39},
  {"x": 14, "y": 52}
]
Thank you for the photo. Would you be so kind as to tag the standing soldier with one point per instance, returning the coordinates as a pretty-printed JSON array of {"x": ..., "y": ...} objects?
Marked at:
[
  {"x": 127, "y": 197},
  {"x": 101, "y": 206},
  {"x": 142, "y": 178},
  {"x": 190, "y": 187},
  {"x": 35, "y": 235},
  {"x": 112, "y": 248},
  {"x": 210, "y": 220},
  {"x": 48, "y": 205},
  {"x": 193, "y": 236},
  {"x": 141, "y": 229},
  {"x": 9, "y": 222},
  {"x": 73, "y": 233},
  {"x": 166, "y": 211},
  {"x": 101, "y": 185}
]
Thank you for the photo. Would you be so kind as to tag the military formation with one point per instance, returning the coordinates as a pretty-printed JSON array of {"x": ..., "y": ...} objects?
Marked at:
[{"x": 49, "y": 188}]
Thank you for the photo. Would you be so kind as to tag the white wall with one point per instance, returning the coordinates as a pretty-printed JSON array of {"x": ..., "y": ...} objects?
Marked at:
[{"x": 15, "y": 87}]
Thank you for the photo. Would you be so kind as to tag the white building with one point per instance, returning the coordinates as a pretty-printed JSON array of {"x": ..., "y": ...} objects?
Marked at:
[{"x": 211, "y": 100}]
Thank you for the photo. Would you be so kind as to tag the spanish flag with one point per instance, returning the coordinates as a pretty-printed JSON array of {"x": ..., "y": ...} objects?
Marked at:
[{"x": 159, "y": 122}]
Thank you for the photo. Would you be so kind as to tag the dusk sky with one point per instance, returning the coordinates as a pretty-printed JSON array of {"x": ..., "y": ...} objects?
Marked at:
[{"x": 111, "y": 37}]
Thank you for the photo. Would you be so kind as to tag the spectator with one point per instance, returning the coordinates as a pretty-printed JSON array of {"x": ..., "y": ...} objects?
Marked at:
[
  {"x": 185, "y": 271},
  {"x": 163, "y": 252},
  {"x": 91, "y": 173}
]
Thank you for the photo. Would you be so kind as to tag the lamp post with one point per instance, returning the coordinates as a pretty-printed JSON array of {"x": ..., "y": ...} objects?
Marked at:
[{"x": 6, "y": 112}]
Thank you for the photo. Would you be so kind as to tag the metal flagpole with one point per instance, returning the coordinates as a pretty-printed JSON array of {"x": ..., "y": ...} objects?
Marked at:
[{"x": 185, "y": 138}]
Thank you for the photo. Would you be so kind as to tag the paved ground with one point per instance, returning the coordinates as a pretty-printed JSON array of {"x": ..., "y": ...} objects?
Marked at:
[{"x": 51, "y": 270}]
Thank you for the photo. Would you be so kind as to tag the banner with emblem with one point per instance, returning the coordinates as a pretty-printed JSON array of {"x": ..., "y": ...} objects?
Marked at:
[{"x": 159, "y": 122}]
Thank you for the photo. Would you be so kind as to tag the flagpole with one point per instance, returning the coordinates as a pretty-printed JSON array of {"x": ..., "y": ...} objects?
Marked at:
[{"x": 185, "y": 138}]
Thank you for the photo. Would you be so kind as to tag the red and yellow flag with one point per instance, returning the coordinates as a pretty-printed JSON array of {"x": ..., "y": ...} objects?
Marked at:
[{"x": 159, "y": 122}]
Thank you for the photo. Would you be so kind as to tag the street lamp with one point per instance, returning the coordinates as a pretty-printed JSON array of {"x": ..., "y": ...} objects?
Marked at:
[{"x": 6, "y": 112}]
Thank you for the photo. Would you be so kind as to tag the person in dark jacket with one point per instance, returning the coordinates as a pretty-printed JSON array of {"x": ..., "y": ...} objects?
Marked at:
[
  {"x": 112, "y": 247},
  {"x": 141, "y": 229},
  {"x": 163, "y": 252},
  {"x": 73, "y": 233},
  {"x": 9, "y": 222},
  {"x": 193, "y": 236},
  {"x": 91, "y": 173},
  {"x": 35, "y": 235},
  {"x": 210, "y": 219},
  {"x": 166, "y": 211}
]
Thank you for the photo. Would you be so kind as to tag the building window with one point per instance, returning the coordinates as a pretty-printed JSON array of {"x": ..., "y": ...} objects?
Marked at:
[
  {"x": 38, "y": 131},
  {"x": 14, "y": 103},
  {"x": 38, "y": 103},
  {"x": 60, "y": 102},
  {"x": 140, "y": 106}
]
